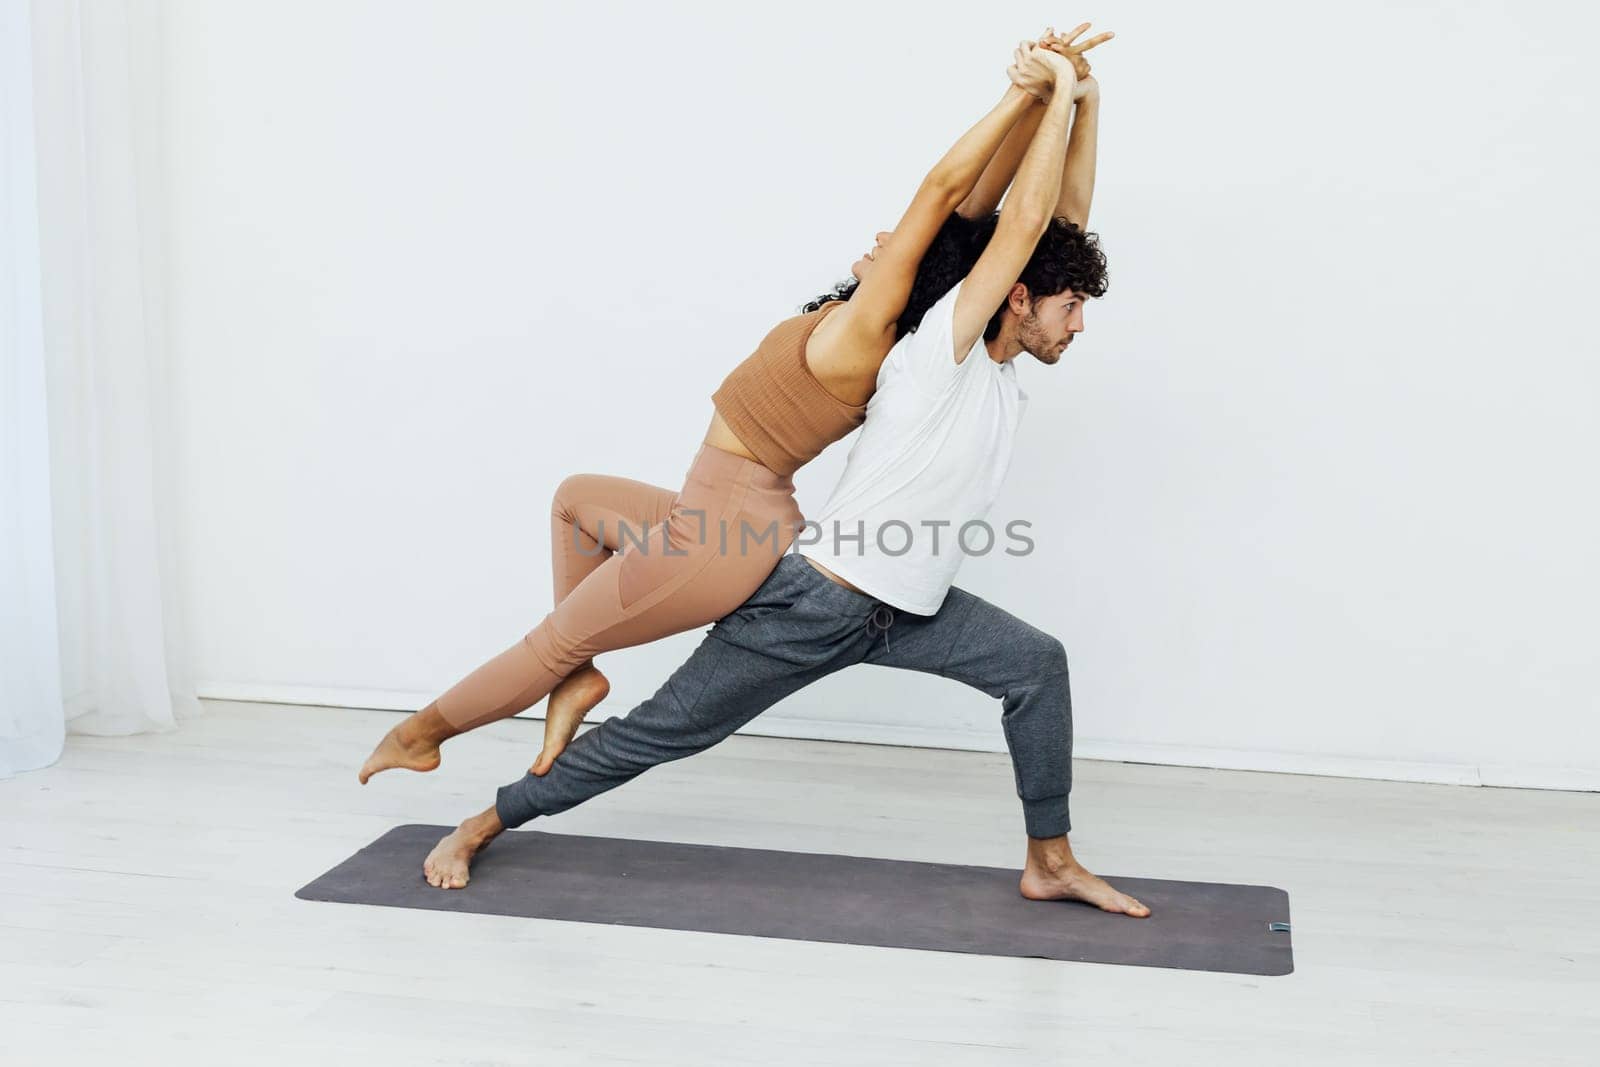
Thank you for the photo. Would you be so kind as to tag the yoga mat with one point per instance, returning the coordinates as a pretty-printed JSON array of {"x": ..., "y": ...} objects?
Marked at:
[{"x": 805, "y": 896}]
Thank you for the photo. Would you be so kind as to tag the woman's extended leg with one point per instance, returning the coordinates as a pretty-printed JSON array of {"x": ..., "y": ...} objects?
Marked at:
[
  {"x": 591, "y": 516},
  {"x": 723, "y": 535}
]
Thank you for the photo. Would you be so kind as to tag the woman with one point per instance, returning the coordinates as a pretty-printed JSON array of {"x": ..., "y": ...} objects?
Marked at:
[{"x": 805, "y": 386}]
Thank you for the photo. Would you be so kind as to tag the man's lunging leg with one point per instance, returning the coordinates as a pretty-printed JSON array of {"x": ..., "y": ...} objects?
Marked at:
[{"x": 972, "y": 641}]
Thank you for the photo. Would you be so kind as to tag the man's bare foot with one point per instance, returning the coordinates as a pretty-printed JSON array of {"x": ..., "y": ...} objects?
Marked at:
[
  {"x": 1079, "y": 884},
  {"x": 447, "y": 865},
  {"x": 576, "y": 696},
  {"x": 414, "y": 744},
  {"x": 1053, "y": 873}
]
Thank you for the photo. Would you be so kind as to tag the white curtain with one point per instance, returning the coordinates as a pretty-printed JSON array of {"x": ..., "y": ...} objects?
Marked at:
[{"x": 91, "y": 635}]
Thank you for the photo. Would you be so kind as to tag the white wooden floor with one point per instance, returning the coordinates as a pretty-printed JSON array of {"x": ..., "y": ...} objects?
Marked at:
[{"x": 147, "y": 914}]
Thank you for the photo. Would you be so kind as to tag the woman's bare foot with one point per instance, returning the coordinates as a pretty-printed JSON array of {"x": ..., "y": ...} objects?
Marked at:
[
  {"x": 1052, "y": 873},
  {"x": 576, "y": 696},
  {"x": 447, "y": 865},
  {"x": 414, "y": 744}
]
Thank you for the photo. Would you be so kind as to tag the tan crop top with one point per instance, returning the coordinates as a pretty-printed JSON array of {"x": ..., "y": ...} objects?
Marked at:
[{"x": 777, "y": 407}]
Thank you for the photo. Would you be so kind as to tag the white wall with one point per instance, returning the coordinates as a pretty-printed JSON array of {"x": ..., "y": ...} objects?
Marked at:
[{"x": 1315, "y": 491}]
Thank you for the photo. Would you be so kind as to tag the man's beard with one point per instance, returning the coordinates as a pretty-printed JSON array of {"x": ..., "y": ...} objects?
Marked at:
[{"x": 1033, "y": 339}]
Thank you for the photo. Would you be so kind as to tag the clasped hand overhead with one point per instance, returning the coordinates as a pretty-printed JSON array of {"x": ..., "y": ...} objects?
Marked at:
[{"x": 1055, "y": 61}]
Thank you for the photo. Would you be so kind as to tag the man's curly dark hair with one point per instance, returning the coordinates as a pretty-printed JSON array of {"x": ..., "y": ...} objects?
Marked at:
[
  {"x": 955, "y": 248},
  {"x": 1066, "y": 258}
]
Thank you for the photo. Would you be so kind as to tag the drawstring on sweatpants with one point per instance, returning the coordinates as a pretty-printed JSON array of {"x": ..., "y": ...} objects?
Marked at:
[{"x": 879, "y": 623}]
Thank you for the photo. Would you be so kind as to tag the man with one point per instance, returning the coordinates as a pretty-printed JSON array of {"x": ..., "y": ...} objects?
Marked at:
[{"x": 931, "y": 456}]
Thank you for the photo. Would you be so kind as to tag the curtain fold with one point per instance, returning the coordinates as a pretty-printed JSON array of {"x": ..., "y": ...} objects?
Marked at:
[{"x": 94, "y": 641}]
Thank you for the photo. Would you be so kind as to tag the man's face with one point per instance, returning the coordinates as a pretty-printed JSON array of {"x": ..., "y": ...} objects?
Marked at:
[{"x": 1051, "y": 324}]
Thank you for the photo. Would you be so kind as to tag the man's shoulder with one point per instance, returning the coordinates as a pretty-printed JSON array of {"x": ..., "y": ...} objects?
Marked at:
[
  {"x": 944, "y": 309},
  {"x": 935, "y": 327}
]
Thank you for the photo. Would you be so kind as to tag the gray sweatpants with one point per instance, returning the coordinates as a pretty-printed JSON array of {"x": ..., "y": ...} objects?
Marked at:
[{"x": 800, "y": 626}]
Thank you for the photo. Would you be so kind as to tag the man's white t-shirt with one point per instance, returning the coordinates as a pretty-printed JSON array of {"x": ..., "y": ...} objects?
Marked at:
[{"x": 930, "y": 458}]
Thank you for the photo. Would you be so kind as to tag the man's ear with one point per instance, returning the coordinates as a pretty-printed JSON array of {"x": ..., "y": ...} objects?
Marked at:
[{"x": 1017, "y": 300}]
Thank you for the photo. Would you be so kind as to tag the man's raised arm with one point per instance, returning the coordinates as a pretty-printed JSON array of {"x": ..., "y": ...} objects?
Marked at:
[{"x": 1077, "y": 175}]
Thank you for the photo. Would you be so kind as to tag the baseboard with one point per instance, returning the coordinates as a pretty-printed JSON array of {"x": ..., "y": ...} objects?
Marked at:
[{"x": 1578, "y": 779}]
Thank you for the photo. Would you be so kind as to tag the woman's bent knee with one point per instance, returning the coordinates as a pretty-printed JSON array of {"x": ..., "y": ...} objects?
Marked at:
[{"x": 563, "y": 505}]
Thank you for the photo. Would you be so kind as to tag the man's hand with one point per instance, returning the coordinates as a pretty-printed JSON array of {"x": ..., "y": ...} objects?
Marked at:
[{"x": 1066, "y": 77}]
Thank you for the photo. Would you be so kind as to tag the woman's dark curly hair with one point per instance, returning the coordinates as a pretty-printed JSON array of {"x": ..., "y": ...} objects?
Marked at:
[
  {"x": 955, "y": 248},
  {"x": 1066, "y": 258}
]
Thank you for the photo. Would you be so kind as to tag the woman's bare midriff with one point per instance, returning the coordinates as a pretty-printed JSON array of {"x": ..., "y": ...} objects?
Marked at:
[{"x": 720, "y": 435}]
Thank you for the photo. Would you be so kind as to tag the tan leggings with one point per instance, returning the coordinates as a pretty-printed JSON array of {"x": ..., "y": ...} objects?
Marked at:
[{"x": 686, "y": 559}]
